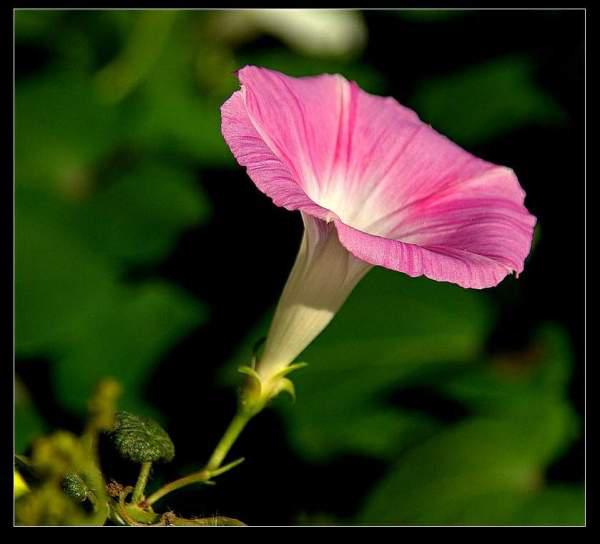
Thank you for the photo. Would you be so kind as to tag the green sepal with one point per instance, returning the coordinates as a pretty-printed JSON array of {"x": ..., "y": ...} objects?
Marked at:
[
  {"x": 288, "y": 369},
  {"x": 255, "y": 349},
  {"x": 249, "y": 371},
  {"x": 141, "y": 439},
  {"x": 251, "y": 392},
  {"x": 256, "y": 392},
  {"x": 287, "y": 386}
]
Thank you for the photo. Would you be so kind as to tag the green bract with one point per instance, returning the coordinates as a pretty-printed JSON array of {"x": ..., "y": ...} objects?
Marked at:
[{"x": 141, "y": 439}]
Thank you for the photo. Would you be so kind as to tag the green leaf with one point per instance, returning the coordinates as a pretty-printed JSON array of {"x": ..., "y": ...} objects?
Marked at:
[
  {"x": 144, "y": 43},
  {"x": 489, "y": 469},
  {"x": 124, "y": 338},
  {"x": 392, "y": 330},
  {"x": 141, "y": 439},
  {"x": 555, "y": 505},
  {"x": 514, "y": 383},
  {"x": 486, "y": 101},
  {"x": 168, "y": 111},
  {"x": 70, "y": 301},
  {"x": 58, "y": 277},
  {"x": 450, "y": 478},
  {"x": 35, "y": 24}
]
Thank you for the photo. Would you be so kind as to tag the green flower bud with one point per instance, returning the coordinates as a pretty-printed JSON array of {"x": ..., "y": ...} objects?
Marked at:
[
  {"x": 141, "y": 439},
  {"x": 75, "y": 487}
]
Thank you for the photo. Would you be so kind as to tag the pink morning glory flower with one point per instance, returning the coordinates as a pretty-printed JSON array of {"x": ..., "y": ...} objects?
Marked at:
[{"x": 375, "y": 186}]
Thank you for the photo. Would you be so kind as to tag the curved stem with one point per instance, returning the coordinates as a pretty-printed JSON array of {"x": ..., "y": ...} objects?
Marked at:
[
  {"x": 140, "y": 485},
  {"x": 213, "y": 466}
]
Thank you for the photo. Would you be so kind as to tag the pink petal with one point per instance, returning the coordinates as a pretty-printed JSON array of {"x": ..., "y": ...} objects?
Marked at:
[
  {"x": 267, "y": 171},
  {"x": 439, "y": 263},
  {"x": 402, "y": 195}
]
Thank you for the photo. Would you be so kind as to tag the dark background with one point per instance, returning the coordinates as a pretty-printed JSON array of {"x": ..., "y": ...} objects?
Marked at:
[{"x": 235, "y": 262}]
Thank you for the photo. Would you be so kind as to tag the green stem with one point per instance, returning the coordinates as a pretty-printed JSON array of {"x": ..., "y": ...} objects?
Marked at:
[
  {"x": 236, "y": 426},
  {"x": 140, "y": 485},
  {"x": 213, "y": 467}
]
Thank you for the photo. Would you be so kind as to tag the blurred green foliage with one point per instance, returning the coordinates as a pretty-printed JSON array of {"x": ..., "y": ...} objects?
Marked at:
[
  {"x": 489, "y": 467},
  {"x": 486, "y": 101},
  {"x": 28, "y": 423},
  {"x": 92, "y": 203},
  {"x": 429, "y": 15},
  {"x": 63, "y": 471},
  {"x": 112, "y": 127}
]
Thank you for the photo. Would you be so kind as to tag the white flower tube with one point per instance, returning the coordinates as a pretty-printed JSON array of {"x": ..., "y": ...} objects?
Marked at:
[{"x": 321, "y": 279}]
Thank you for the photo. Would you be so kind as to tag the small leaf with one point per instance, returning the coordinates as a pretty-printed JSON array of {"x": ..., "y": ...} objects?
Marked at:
[{"x": 141, "y": 439}]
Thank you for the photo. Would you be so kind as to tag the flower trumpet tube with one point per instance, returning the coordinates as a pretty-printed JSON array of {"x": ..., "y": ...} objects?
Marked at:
[
  {"x": 375, "y": 186},
  {"x": 321, "y": 279}
]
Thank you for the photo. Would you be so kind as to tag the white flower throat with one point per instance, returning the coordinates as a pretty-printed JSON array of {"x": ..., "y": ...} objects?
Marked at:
[{"x": 321, "y": 279}]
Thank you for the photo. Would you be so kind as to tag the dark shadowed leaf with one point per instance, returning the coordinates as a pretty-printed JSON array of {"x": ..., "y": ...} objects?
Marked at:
[
  {"x": 137, "y": 216},
  {"x": 489, "y": 468},
  {"x": 517, "y": 382},
  {"x": 485, "y": 101},
  {"x": 58, "y": 278},
  {"x": 169, "y": 110},
  {"x": 123, "y": 338},
  {"x": 555, "y": 505},
  {"x": 438, "y": 481},
  {"x": 62, "y": 129}
]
